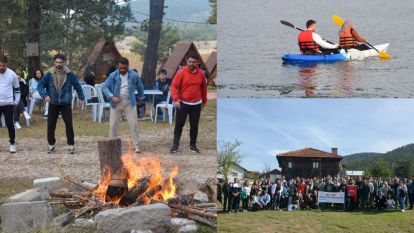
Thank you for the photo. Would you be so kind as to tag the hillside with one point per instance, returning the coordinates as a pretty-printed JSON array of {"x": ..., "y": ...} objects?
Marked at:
[
  {"x": 394, "y": 158},
  {"x": 194, "y": 10}
]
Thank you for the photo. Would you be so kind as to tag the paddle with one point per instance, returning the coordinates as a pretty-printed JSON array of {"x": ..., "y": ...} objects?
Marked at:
[
  {"x": 293, "y": 26},
  {"x": 338, "y": 21}
]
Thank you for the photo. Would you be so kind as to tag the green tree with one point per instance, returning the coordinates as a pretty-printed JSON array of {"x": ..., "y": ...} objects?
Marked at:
[
  {"x": 228, "y": 155},
  {"x": 380, "y": 168},
  {"x": 74, "y": 27},
  {"x": 405, "y": 169},
  {"x": 213, "y": 15},
  {"x": 13, "y": 25},
  {"x": 169, "y": 36}
]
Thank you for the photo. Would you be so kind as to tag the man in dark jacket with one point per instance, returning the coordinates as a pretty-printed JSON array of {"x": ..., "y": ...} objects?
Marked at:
[{"x": 56, "y": 88}]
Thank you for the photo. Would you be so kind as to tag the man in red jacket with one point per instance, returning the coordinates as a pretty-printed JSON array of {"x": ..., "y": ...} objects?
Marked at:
[{"x": 189, "y": 93}]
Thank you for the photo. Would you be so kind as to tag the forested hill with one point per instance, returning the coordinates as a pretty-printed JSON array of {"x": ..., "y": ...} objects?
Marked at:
[
  {"x": 394, "y": 158},
  {"x": 194, "y": 10}
]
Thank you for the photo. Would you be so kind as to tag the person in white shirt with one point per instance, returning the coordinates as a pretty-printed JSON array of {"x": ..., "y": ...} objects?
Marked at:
[
  {"x": 311, "y": 43},
  {"x": 9, "y": 98}
]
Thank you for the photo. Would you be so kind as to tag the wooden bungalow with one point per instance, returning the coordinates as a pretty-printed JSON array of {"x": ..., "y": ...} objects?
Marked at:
[
  {"x": 212, "y": 68},
  {"x": 178, "y": 55},
  {"x": 271, "y": 175},
  {"x": 309, "y": 162},
  {"x": 104, "y": 55}
]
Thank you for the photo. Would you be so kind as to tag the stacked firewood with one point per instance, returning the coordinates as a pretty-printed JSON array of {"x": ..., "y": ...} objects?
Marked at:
[{"x": 86, "y": 205}]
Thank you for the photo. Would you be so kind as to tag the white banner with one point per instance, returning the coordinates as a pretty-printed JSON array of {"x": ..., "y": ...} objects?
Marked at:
[{"x": 329, "y": 197}]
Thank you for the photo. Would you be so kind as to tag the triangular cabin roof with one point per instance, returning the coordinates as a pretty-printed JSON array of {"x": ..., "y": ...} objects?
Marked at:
[
  {"x": 177, "y": 57},
  {"x": 103, "y": 52},
  {"x": 211, "y": 65},
  {"x": 309, "y": 153}
]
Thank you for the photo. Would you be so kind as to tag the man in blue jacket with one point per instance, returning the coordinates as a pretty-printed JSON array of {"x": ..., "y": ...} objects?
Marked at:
[
  {"x": 120, "y": 88},
  {"x": 56, "y": 88}
]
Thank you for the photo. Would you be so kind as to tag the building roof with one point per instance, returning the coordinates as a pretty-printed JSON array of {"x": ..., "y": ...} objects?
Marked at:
[
  {"x": 180, "y": 51},
  {"x": 309, "y": 153},
  {"x": 274, "y": 171},
  {"x": 212, "y": 62}
]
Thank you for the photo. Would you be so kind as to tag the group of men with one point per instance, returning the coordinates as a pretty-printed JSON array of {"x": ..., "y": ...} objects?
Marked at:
[
  {"x": 124, "y": 89},
  {"x": 311, "y": 43}
]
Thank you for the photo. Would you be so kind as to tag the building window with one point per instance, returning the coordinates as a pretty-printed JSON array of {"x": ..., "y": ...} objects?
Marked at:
[
  {"x": 315, "y": 164},
  {"x": 289, "y": 164},
  {"x": 235, "y": 174}
]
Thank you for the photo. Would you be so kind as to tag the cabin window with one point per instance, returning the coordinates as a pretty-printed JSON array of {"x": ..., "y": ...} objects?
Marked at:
[
  {"x": 289, "y": 164},
  {"x": 235, "y": 174},
  {"x": 315, "y": 164}
]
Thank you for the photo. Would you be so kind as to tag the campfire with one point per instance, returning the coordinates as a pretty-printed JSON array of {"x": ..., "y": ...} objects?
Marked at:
[
  {"x": 143, "y": 182},
  {"x": 128, "y": 181}
]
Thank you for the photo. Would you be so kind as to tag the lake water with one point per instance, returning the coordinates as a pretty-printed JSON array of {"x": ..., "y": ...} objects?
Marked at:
[{"x": 251, "y": 42}]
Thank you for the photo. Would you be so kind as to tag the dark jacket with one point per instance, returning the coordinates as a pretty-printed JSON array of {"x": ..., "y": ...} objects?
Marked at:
[{"x": 46, "y": 87}]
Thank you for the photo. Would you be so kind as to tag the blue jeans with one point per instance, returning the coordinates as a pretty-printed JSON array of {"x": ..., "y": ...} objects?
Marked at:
[{"x": 402, "y": 202}]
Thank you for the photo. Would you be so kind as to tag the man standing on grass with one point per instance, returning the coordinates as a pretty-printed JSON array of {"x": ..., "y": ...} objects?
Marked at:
[
  {"x": 9, "y": 97},
  {"x": 56, "y": 89},
  {"x": 120, "y": 88},
  {"x": 189, "y": 93}
]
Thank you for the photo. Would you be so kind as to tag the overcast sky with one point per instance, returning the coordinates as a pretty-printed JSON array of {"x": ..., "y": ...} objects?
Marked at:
[{"x": 267, "y": 127}]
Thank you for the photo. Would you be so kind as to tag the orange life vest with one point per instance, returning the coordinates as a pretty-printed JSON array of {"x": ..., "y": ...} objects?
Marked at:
[
  {"x": 306, "y": 41},
  {"x": 346, "y": 39}
]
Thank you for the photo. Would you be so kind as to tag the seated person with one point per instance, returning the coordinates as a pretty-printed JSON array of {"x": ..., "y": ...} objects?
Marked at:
[
  {"x": 38, "y": 74},
  {"x": 140, "y": 104},
  {"x": 20, "y": 108},
  {"x": 382, "y": 201},
  {"x": 390, "y": 202},
  {"x": 256, "y": 201},
  {"x": 163, "y": 84},
  {"x": 265, "y": 199},
  {"x": 348, "y": 37},
  {"x": 310, "y": 43}
]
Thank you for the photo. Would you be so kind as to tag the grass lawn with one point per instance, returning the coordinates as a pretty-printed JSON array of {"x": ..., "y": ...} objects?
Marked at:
[{"x": 317, "y": 221}]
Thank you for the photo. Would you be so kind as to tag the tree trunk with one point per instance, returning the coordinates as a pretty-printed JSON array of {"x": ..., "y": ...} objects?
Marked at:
[
  {"x": 110, "y": 157},
  {"x": 33, "y": 32},
  {"x": 154, "y": 34}
]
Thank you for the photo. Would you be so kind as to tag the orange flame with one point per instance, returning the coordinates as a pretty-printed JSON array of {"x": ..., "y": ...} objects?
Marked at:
[
  {"x": 100, "y": 192},
  {"x": 146, "y": 167}
]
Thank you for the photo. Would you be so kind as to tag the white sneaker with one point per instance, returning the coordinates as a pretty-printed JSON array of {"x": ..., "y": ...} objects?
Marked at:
[
  {"x": 71, "y": 149},
  {"x": 12, "y": 148},
  {"x": 17, "y": 125},
  {"x": 50, "y": 149},
  {"x": 403, "y": 210},
  {"x": 136, "y": 149},
  {"x": 26, "y": 115}
]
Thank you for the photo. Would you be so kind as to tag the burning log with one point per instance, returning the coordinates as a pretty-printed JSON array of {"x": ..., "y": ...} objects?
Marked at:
[{"x": 141, "y": 185}]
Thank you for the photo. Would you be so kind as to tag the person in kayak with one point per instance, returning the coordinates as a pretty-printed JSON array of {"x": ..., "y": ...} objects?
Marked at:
[
  {"x": 349, "y": 37},
  {"x": 310, "y": 43}
]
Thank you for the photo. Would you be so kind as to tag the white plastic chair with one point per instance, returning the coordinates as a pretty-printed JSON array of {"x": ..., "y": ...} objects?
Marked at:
[
  {"x": 74, "y": 97},
  {"x": 91, "y": 99},
  {"x": 102, "y": 103},
  {"x": 165, "y": 105}
]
